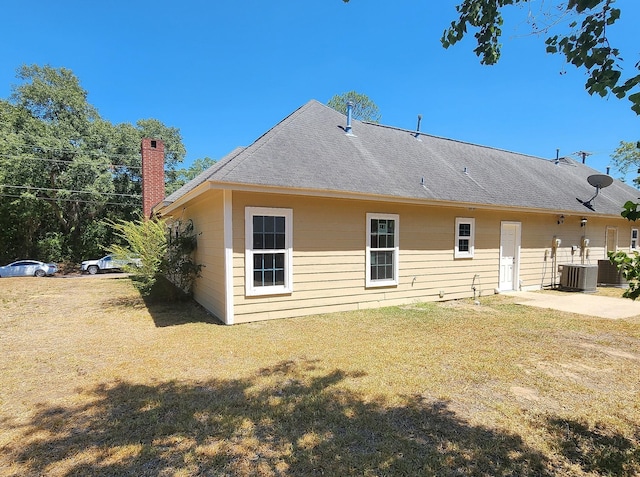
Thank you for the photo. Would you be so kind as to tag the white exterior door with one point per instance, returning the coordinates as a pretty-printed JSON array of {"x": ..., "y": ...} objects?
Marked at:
[{"x": 509, "y": 255}]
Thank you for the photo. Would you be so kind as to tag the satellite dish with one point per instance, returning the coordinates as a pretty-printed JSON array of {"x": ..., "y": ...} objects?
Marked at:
[{"x": 600, "y": 181}]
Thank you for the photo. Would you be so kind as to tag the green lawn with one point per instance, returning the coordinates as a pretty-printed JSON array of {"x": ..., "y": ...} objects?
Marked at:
[{"x": 97, "y": 382}]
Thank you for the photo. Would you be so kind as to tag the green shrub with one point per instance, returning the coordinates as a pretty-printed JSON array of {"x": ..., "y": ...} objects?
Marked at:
[
  {"x": 629, "y": 266},
  {"x": 179, "y": 267},
  {"x": 161, "y": 250},
  {"x": 50, "y": 248},
  {"x": 146, "y": 241}
]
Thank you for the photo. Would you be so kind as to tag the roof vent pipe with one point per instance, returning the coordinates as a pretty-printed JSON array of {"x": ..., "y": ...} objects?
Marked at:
[
  {"x": 584, "y": 155},
  {"x": 349, "y": 113},
  {"x": 557, "y": 156},
  {"x": 418, "y": 126}
]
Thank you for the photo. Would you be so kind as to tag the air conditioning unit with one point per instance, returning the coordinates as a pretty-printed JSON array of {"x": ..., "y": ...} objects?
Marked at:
[
  {"x": 609, "y": 275},
  {"x": 576, "y": 277}
]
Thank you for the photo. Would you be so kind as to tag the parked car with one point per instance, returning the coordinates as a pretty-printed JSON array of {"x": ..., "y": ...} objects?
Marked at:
[
  {"x": 28, "y": 268},
  {"x": 109, "y": 263}
]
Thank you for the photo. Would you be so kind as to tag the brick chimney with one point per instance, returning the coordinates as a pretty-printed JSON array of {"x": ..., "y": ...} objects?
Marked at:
[{"x": 152, "y": 151}]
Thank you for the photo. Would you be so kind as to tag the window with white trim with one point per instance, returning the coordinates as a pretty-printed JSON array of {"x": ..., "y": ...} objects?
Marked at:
[
  {"x": 382, "y": 250},
  {"x": 465, "y": 234},
  {"x": 634, "y": 239},
  {"x": 268, "y": 251}
]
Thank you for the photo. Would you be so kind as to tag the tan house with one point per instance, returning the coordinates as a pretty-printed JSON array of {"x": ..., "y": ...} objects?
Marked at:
[{"x": 323, "y": 214}]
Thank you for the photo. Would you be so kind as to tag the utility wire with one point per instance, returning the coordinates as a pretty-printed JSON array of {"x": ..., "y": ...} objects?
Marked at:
[
  {"x": 73, "y": 200},
  {"x": 72, "y": 191},
  {"x": 61, "y": 161},
  {"x": 40, "y": 149}
]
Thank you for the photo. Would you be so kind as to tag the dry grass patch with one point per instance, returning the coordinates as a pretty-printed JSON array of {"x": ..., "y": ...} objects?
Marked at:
[
  {"x": 615, "y": 292},
  {"x": 97, "y": 382}
]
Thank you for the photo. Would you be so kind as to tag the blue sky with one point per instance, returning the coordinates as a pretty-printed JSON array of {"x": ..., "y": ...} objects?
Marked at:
[{"x": 224, "y": 72}]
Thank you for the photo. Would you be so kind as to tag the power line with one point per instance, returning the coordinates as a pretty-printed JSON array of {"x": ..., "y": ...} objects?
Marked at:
[
  {"x": 72, "y": 200},
  {"x": 40, "y": 149},
  {"x": 61, "y": 161},
  {"x": 72, "y": 191},
  {"x": 97, "y": 153}
]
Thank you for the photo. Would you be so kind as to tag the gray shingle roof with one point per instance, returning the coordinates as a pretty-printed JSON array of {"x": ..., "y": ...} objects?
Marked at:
[
  {"x": 309, "y": 150},
  {"x": 203, "y": 176}
]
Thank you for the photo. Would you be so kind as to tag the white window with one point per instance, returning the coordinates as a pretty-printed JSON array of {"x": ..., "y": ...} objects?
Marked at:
[
  {"x": 465, "y": 233},
  {"x": 634, "y": 239},
  {"x": 268, "y": 251},
  {"x": 382, "y": 250}
]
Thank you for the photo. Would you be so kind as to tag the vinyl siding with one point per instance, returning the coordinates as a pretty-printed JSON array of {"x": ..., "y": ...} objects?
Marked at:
[
  {"x": 208, "y": 220},
  {"x": 329, "y": 240},
  {"x": 329, "y": 256}
]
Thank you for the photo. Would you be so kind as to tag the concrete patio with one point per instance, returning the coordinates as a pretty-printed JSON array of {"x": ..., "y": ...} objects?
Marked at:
[{"x": 582, "y": 303}]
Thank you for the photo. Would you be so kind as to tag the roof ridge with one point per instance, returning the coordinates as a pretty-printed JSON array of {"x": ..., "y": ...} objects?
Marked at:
[{"x": 459, "y": 141}]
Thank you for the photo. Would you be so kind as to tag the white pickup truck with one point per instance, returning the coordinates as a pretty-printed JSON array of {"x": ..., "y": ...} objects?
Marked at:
[{"x": 107, "y": 263}]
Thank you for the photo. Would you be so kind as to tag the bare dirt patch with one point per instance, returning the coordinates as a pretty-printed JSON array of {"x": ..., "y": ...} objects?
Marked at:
[
  {"x": 529, "y": 394},
  {"x": 612, "y": 351}
]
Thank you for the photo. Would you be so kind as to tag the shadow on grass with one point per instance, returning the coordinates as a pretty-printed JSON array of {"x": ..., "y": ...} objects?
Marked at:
[
  {"x": 596, "y": 451},
  {"x": 170, "y": 306},
  {"x": 174, "y": 313},
  {"x": 288, "y": 420},
  {"x": 167, "y": 305}
]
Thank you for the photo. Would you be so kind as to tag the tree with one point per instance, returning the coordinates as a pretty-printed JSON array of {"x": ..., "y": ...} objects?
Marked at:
[
  {"x": 627, "y": 156},
  {"x": 182, "y": 176},
  {"x": 54, "y": 186},
  {"x": 586, "y": 44},
  {"x": 63, "y": 168},
  {"x": 364, "y": 109}
]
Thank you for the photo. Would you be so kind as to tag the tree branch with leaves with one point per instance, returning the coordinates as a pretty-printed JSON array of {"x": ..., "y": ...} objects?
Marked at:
[
  {"x": 364, "y": 109},
  {"x": 586, "y": 45}
]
